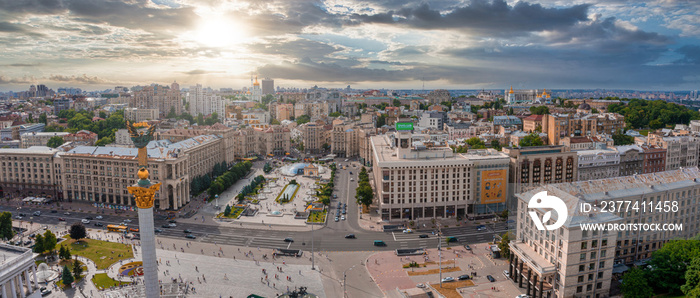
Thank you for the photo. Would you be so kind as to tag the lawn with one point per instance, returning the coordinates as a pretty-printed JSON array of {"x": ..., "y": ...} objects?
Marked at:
[
  {"x": 103, "y": 253},
  {"x": 316, "y": 216},
  {"x": 235, "y": 212},
  {"x": 102, "y": 281},
  {"x": 449, "y": 289}
]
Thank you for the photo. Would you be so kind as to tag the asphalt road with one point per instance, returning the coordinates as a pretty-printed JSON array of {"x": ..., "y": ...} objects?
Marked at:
[{"x": 328, "y": 238}]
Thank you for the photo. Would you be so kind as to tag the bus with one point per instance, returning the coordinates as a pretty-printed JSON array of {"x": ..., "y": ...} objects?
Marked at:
[{"x": 116, "y": 228}]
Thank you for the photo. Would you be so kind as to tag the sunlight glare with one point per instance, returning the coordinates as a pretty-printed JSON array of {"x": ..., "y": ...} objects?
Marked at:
[{"x": 218, "y": 32}]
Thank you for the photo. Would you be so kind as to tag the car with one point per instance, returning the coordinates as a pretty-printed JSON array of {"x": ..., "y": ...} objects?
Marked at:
[
  {"x": 172, "y": 225},
  {"x": 190, "y": 236},
  {"x": 99, "y": 224},
  {"x": 448, "y": 279},
  {"x": 288, "y": 239},
  {"x": 345, "y": 205},
  {"x": 54, "y": 211},
  {"x": 481, "y": 228},
  {"x": 350, "y": 236},
  {"x": 123, "y": 224},
  {"x": 45, "y": 292},
  {"x": 27, "y": 243},
  {"x": 523, "y": 296},
  {"x": 350, "y": 172},
  {"x": 61, "y": 219},
  {"x": 134, "y": 229},
  {"x": 467, "y": 247},
  {"x": 157, "y": 230},
  {"x": 165, "y": 226},
  {"x": 352, "y": 179},
  {"x": 337, "y": 219},
  {"x": 406, "y": 231},
  {"x": 506, "y": 273},
  {"x": 342, "y": 217},
  {"x": 379, "y": 243},
  {"x": 344, "y": 212},
  {"x": 170, "y": 221},
  {"x": 18, "y": 217},
  {"x": 420, "y": 286},
  {"x": 66, "y": 213},
  {"x": 490, "y": 278},
  {"x": 187, "y": 231},
  {"x": 464, "y": 277},
  {"x": 85, "y": 221},
  {"x": 37, "y": 213},
  {"x": 98, "y": 217},
  {"x": 346, "y": 160},
  {"x": 127, "y": 220},
  {"x": 423, "y": 236},
  {"x": 88, "y": 217},
  {"x": 335, "y": 196}
]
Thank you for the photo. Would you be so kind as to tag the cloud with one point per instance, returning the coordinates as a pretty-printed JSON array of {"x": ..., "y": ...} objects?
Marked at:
[
  {"x": 23, "y": 80},
  {"x": 691, "y": 55},
  {"x": 23, "y": 64},
  {"x": 487, "y": 17},
  {"x": 84, "y": 79},
  {"x": 16, "y": 28},
  {"x": 201, "y": 72}
]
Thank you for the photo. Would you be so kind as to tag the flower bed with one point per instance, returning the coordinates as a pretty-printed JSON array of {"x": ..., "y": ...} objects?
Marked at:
[{"x": 317, "y": 216}]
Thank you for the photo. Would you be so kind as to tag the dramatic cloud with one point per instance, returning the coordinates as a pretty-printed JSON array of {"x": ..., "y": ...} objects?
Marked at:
[
  {"x": 22, "y": 80},
  {"x": 84, "y": 79}
]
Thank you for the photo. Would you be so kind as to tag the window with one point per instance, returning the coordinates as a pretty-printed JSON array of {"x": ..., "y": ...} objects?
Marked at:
[
  {"x": 590, "y": 277},
  {"x": 589, "y": 287},
  {"x": 599, "y": 285},
  {"x": 581, "y": 268},
  {"x": 584, "y": 245},
  {"x": 580, "y": 278},
  {"x": 591, "y": 266},
  {"x": 602, "y": 264},
  {"x": 579, "y": 289},
  {"x": 583, "y": 257},
  {"x": 600, "y": 275}
]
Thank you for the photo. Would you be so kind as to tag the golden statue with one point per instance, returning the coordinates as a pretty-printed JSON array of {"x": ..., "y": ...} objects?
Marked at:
[{"x": 144, "y": 192}]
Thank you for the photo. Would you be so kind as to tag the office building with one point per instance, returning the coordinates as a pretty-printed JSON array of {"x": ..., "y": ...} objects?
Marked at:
[
  {"x": 312, "y": 137},
  {"x": 30, "y": 172},
  {"x": 140, "y": 115},
  {"x": 681, "y": 150},
  {"x": 557, "y": 126},
  {"x": 268, "y": 86},
  {"x": 38, "y": 138},
  {"x": 571, "y": 262},
  {"x": 598, "y": 164},
  {"x": 420, "y": 177},
  {"x": 163, "y": 98}
]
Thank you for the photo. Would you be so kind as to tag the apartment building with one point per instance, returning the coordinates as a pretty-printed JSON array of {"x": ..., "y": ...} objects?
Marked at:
[
  {"x": 30, "y": 172},
  {"x": 227, "y": 135},
  {"x": 366, "y": 131},
  {"x": 681, "y": 151},
  {"x": 654, "y": 159},
  {"x": 204, "y": 101},
  {"x": 418, "y": 176},
  {"x": 571, "y": 262},
  {"x": 312, "y": 137},
  {"x": 163, "y": 98},
  {"x": 141, "y": 114},
  {"x": 274, "y": 140},
  {"x": 345, "y": 140},
  {"x": 631, "y": 159},
  {"x": 532, "y": 123},
  {"x": 534, "y": 166},
  {"x": 38, "y": 138},
  {"x": 82, "y": 137},
  {"x": 598, "y": 164},
  {"x": 558, "y": 126},
  {"x": 284, "y": 111},
  {"x": 14, "y": 132}
]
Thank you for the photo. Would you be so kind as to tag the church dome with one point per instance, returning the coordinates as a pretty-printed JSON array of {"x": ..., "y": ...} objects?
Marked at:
[{"x": 584, "y": 106}]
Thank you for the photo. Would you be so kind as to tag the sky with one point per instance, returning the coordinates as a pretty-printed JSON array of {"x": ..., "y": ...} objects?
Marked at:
[{"x": 394, "y": 44}]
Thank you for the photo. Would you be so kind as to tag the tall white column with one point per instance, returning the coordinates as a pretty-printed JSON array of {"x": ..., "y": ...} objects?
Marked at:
[
  {"x": 36, "y": 283},
  {"x": 13, "y": 287},
  {"x": 29, "y": 284},
  {"x": 4, "y": 290},
  {"x": 148, "y": 253}
]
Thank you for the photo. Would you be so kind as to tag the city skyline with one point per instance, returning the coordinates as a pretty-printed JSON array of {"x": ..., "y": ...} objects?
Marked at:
[{"x": 390, "y": 44}]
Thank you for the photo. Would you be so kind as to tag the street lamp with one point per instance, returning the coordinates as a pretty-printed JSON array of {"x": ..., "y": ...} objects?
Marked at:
[{"x": 217, "y": 201}]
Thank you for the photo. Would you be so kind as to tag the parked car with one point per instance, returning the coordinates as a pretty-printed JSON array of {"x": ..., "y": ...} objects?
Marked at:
[
  {"x": 352, "y": 179},
  {"x": 37, "y": 213},
  {"x": 523, "y": 296},
  {"x": 490, "y": 278},
  {"x": 350, "y": 236},
  {"x": 18, "y": 217},
  {"x": 22, "y": 214},
  {"x": 506, "y": 273},
  {"x": 406, "y": 231},
  {"x": 448, "y": 279},
  {"x": 166, "y": 226},
  {"x": 190, "y": 236},
  {"x": 45, "y": 292},
  {"x": 464, "y": 277},
  {"x": 127, "y": 220},
  {"x": 342, "y": 217},
  {"x": 66, "y": 213},
  {"x": 88, "y": 217},
  {"x": 288, "y": 239},
  {"x": 172, "y": 225},
  {"x": 337, "y": 219},
  {"x": 54, "y": 211}
]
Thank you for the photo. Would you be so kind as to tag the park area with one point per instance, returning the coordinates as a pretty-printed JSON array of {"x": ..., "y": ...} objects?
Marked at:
[
  {"x": 103, "y": 281},
  {"x": 103, "y": 253}
]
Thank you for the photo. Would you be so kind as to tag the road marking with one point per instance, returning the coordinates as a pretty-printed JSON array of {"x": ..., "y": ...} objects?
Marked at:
[
  {"x": 288, "y": 245},
  {"x": 392, "y": 234}
]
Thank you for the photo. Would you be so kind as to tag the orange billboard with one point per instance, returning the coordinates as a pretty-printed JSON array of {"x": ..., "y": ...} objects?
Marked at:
[{"x": 493, "y": 186}]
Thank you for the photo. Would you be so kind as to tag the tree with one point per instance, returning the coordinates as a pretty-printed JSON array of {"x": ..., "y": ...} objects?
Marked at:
[
  {"x": 622, "y": 139},
  {"x": 293, "y": 182},
  {"x": 495, "y": 144},
  {"x": 396, "y": 103},
  {"x": 303, "y": 119},
  {"x": 670, "y": 263},
  {"x": 38, "y": 244},
  {"x": 42, "y": 118},
  {"x": 539, "y": 110},
  {"x": 267, "y": 98},
  {"x": 476, "y": 143},
  {"x": 50, "y": 241},
  {"x": 635, "y": 284},
  {"x": 532, "y": 139},
  {"x": 54, "y": 142},
  {"x": 594, "y": 111},
  {"x": 503, "y": 245},
  {"x": 77, "y": 231},
  {"x": 691, "y": 288},
  {"x": 227, "y": 210},
  {"x": 200, "y": 119},
  {"x": 6, "y": 226},
  {"x": 364, "y": 195},
  {"x": 335, "y": 114},
  {"x": 66, "y": 277},
  {"x": 77, "y": 269},
  {"x": 172, "y": 113},
  {"x": 66, "y": 253},
  {"x": 275, "y": 122},
  {"x": 381, "y": 120}
]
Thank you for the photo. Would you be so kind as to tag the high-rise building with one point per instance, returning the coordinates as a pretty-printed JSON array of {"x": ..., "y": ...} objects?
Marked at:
[
  {"x": 256, "y": 92},
  {"x": 204, "y": 102},
  {"x": 159, "y": 97},
  {"x": 575, "y": 262},
  {"x": 268, "y": 86},
  {"x": 418, "y": 176}
]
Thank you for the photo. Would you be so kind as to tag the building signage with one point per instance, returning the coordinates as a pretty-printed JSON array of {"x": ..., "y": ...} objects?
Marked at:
[
  {"x": 404, "y": 126},
  {"x": 493, "y": 186}
]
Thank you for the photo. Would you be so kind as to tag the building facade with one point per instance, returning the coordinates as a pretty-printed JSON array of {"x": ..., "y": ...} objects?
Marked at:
[
  {"x": 18, "y": 272},
  {"x": 30, "y": 172},
  {"x": 558, "y": 126},
  {"x": 38, "y": 138},
  {"x": 598, "y": 164},
  {"x": 140, "y": 115},
  {"x": 681, "y": 151}
]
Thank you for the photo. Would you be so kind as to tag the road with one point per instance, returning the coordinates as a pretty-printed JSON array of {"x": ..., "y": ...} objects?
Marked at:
[{"x": 329, "y": 238}]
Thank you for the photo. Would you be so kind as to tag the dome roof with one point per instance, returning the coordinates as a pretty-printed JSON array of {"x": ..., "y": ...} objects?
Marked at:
[{"x": 584, "y": 106}]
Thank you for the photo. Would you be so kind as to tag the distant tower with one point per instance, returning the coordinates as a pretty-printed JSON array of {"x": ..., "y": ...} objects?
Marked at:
[
  {"x": 175, "y": 86},
  {"x": 268, "y": 86},
  {"x": 256, "y": 92},
  {"x": 510, "y": 96}
]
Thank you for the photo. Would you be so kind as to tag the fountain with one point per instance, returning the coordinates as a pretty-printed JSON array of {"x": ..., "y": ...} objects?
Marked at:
[{"x": 44, "y": 274}]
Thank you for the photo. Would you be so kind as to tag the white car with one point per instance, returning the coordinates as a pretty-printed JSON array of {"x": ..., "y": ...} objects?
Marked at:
[
  {"x": 506, "y": 273},
  {"x": 406, "y": 231},
  {"x": 85, "y": 221},
  {"x": 172, "y": 225},
  {"x": 448, "y": 279},
  {"x": 98, "y": 217},
  {"x": 127, "y": 220},
  {"x": 523, "y": 296},
  {"x": 342, "y": 217},
  {"x": 352, "y": 179},
  {"x": 420, "y": 286}
]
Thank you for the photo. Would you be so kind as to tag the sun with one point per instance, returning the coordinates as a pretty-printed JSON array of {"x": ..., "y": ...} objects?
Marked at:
[{"x": 218, "y": 32}]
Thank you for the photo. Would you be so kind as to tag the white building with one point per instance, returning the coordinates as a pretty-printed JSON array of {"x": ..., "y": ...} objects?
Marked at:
[
  {"x": 256, "y": 91},
  {"x": 17, "y": 272},
  {"x": 417, "y": 176},
  {"x": 204, "y": 102},
  {"x": 598, "y": 164},
  {"x": 38, "y": 138},
  {"x": 140, "y": 114}
]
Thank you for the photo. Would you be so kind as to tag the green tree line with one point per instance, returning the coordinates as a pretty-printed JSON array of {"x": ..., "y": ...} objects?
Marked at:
[{"x": 654, "y": 114}]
